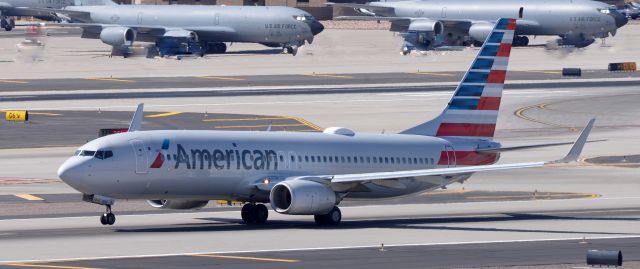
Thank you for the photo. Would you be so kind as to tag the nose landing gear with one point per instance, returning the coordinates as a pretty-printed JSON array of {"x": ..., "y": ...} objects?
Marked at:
[{"x": 108, "y": 218}]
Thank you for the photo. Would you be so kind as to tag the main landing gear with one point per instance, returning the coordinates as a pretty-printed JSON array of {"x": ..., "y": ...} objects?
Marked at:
[
  {"x": 253, "y": 213},
  {"x": 330, "y": 219},
  {"x": 520, "y": 41},
  {"x": 108, "y": 218}
]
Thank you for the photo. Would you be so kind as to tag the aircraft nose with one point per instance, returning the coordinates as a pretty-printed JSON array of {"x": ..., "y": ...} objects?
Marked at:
[
  {"x": 316, "y": 27},
  {"x": 620, "y": 18},
  {"x": 71, "y": 172}
]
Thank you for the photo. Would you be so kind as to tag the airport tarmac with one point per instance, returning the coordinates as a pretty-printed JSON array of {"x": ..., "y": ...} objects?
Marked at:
[
  {"x": 334, "y": 51},
  {"x": 493, "y": 222},
  {"x": 141, "y": 239}
]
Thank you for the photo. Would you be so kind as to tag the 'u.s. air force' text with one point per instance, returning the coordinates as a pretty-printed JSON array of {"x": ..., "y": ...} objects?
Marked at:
[{"x": 280, "y": 26}]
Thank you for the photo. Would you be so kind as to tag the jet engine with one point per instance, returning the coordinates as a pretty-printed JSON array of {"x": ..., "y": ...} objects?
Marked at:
[
  {"x": 302, "y": 197},
  {"x": 118, "y": 36},
  {"x": 434, "y": 27},
  {"x": 177, "y": 204},
  {"x": 421, "y": 34},
  {"x": 480, "y": 31}
]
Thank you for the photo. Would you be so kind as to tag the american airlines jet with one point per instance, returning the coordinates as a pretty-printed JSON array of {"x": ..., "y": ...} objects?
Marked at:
[{"x": 306, "y": 173}]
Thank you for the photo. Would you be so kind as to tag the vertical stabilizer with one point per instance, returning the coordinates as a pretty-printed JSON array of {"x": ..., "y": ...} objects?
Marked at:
[{"x": 473, "y": 110}]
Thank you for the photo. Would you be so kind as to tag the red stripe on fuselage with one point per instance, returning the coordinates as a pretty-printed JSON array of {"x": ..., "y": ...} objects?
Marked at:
[
  {"x": 497, "y": 76},
  {"x": 466, "y": 129},
  {"x": 468, "y": 158},
  {"x": 489, "y": 103}
]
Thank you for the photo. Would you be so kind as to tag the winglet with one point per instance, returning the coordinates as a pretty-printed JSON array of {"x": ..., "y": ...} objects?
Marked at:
[
  {"x": 136, "y": 121},
  {"x": 575, "y": 151}
]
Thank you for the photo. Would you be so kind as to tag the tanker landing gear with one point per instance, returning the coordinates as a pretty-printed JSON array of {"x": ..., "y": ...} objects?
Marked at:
[
  {"x": 253, "y": 213},
  {"x": 520, "y": 41},
  {"x": 108, "y": 218},
  {"x": 217, "y": 48},
  {"x": 330, "y": 219},
  {"x": 7, "y": 23},
  {"x": 291, "y": 49}
]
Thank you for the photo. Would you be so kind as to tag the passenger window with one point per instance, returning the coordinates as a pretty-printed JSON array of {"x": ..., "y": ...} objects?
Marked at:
[
  {"x": 168, "y": 157},
  {"x": 324, "y": 159},
  {"x": 293, "y": 159},
  {"x": 342, "y": 159},
  {"x": 415, "y": 160},
  {"x": 355, "y": 159},
  {"x": 404, "y": 160},
  {"x": 299, "y": 159},
  {"x": 330, "y": 159},
  {"x": 313, "y": 159},
  {"x": 375, "y": 160},
  {"x": 368, "y": 159},
  {"x": 306, "y": 158},
  {"x": 392, "y": 160},
  {"x": 386, "y": 159}
]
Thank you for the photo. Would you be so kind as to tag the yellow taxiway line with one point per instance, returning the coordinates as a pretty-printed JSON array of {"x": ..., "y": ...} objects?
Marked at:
[
  {"x": 431, "y": 73},
  {"x": 245, "y": 258},
  {"x": 167, "y": 114},
  {"x": 326, "y": 76},
  {"x": 111, "y": 79},
  {"x": 36, "y": 265},
  {"x": 260, "y": 126},
  {"x": 246, "y": 119},
  {"x": 520, "y": 114},
  {"x": 221, "y": 78},
  {"x": 28, "y": 197},
  {"x": 13, "y": 81}
]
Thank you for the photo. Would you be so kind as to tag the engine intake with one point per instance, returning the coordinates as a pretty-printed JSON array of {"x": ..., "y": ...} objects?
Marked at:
[
  {"x": 436, "y": 27},
  {"x": 177, "y": 204},
  {"x": 302, "y": 197},
  {"x": 480, "y": 31},
  {"x": 118, "y": 36}
]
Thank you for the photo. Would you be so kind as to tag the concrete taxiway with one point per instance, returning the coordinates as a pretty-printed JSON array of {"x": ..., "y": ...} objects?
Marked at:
[{"x": 140, "y": 238}]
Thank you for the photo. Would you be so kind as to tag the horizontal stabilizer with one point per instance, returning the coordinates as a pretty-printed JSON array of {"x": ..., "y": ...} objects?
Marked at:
[{"x": 524, "y": 147}]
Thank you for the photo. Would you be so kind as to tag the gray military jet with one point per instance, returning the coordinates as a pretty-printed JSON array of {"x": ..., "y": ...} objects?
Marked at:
[
  {"x": 24, "y": 8},
  {"x": 188, "y": 29},
  {"x": 433, "y": 24}
]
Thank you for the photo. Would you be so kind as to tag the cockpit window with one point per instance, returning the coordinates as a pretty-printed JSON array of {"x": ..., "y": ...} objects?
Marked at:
[
  {"x": 304, "y": 17},
  {"x": 605, "y": 10},
  {"x": 100, "y": 154},
  {"x": 104, "y": 154}
]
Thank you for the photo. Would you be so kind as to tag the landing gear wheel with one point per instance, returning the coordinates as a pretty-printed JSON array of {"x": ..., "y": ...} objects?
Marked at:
[
  {"x": 332, "y": 218},
  {"x": 261, "y": 213},
  {"x": 477, "y": 44},
  {"x": 108, "y": 218},
  {"x": 247, "y": 214},
  {"x": 254, "y": 213}
]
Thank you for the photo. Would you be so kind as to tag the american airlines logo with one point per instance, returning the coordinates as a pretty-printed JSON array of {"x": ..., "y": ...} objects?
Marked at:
[{"x": 219, "y": 159}]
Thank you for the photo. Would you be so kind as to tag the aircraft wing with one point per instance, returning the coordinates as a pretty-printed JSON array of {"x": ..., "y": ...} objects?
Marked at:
[
  {"x": 152, "y": 31},
  {"x": 363, "y": 6},
  {"x": 573, "y": 155}
]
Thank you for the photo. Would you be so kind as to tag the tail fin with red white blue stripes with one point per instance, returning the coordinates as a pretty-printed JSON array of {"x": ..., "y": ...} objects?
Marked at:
[{"x": 473, "y": 109}]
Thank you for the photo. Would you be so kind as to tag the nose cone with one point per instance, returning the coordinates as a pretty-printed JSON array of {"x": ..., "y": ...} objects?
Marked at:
[
  {"x": 71, "y": 173},
  {"x": 620, "y": 18},
  {"x": 316, "y": 27}
]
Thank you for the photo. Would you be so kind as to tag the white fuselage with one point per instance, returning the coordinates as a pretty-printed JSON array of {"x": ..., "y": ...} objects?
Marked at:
[{"x": 228, "y": 165}]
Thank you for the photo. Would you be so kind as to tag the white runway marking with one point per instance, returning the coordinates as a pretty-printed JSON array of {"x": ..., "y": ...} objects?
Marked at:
[{"x": 321, "y": 248}]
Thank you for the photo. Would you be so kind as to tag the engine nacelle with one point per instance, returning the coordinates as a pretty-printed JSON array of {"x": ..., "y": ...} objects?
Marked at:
[
  {"x": 480, "y": 31},
  {"x": 302, "y": 197},
  {"x": 177, "y": 204},
  {"x": 118, "y": 36},
  {"x": 182, "y": 34},
  {"x": 435, "y": 27}
]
